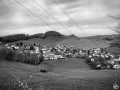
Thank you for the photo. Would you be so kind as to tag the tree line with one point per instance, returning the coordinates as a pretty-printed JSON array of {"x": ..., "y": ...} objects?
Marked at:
[{"x": 17, "y": 37}]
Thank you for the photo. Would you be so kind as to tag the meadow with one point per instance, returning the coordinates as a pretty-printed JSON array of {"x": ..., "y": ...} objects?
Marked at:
[{"x": 67, "y": 74}]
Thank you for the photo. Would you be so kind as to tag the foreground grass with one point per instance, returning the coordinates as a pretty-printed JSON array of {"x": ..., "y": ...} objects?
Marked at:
[
  {"x": 66, "y": 84},
  {"x": 59, "y": 76}
]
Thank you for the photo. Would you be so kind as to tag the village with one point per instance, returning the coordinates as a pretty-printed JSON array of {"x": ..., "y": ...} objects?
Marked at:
[{"x": 97, "y": 58}]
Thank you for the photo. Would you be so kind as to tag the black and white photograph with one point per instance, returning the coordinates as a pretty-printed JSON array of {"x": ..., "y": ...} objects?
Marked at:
[{"x": 59, "y": 44}]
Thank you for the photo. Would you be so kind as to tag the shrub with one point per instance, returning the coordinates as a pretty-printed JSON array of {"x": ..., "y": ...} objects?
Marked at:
[
  {"x": 88, "y": 60},
  {"x": 41, "y": 58},
  {"x": 28, "y": 58},
  {"x": 10, "y": 55},
  {"x": 34, "y": 59},
  {"x": 19, "y": 57},
  {"x": 117, "y": 44},
  {"x": 7, "y": 54},
  {"x": 3, "y": 53}
]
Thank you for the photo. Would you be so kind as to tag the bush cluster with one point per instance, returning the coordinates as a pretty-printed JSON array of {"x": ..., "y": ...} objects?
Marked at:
[
  {"x": 53, "y": 33},
  {"x": 15, "y": 37},
  {"x": 116, "y": 44},
  {"x": 20, "y": 56},
  {"x": 7, "y": 54}
]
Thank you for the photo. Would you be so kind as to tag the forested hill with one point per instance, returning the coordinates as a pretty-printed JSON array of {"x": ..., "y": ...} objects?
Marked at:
[
  {"x": 54, "y": 35},
  {"x": 17, "y": 37}
]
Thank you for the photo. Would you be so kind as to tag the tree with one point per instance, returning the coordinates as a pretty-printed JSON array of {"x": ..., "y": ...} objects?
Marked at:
[
  {"x": 21, "y": 43},
  {"x": 116, "y": 28},
  {"x": 17, "y": 44},
  {"x": 0, "y": 39},
  {"x": 15, "y": 37},
  {"x": 34, "y": 44},
  {"x": 52, "y": 33},
  {"x": 42, "y": 36}
]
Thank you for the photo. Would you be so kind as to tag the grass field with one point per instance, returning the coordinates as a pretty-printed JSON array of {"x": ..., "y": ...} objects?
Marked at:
[
  {"x": 78, "y": 43},
  {"x": 84, "y": 43},
  {"x": 61, "y": 75},
  {"x": 68, "y": 74},
  {"x": 47, "y": 42}
]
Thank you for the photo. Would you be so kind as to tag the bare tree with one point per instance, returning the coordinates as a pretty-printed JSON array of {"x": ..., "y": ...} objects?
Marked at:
[{"x": 116, "y": 28}]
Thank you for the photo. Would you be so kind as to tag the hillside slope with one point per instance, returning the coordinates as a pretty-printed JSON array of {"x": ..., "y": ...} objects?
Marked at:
[
  {"x": 61, "y": 77},
  {"x": 83, "y": 43},
  {"x": 47, "y": 42}
]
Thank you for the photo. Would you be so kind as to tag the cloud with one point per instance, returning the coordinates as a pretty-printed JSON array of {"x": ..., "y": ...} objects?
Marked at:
[{"x": 90, "y": 13}]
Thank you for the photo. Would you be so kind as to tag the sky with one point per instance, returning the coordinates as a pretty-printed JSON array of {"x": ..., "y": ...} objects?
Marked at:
[{"x": 92, "y": 16}]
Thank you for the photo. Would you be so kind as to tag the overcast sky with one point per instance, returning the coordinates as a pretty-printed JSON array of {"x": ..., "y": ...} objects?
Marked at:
[{"x": 91, "y": 15}]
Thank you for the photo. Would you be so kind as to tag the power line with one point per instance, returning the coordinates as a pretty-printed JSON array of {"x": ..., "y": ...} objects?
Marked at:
[
  {"x": 69, "y": 16},
  {"x": 52, "y": 16},
  {"x": 72, "y": 19},
  {"x": 34, "y": 14}
]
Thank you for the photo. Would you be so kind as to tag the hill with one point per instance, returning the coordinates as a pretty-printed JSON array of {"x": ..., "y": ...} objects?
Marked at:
[
  {"x": 54, "y": 38},
  {"x": 17, "y": 37},
  {"x": 102, "y": 37},
  {"x": 72, "y": 37},
  {"x": 47, "y": 42},
  {"x": 66, "y": 41},
  {"x": 68, "y": 74},
  {"x": 83, "y": 43}
]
